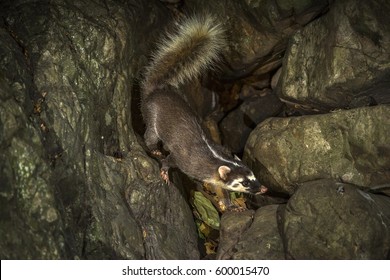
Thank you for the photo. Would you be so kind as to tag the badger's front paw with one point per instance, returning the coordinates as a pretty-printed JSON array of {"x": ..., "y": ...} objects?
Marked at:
[
  {"x": 165, "y": 176},
  {"x": 157, "y": 154}
]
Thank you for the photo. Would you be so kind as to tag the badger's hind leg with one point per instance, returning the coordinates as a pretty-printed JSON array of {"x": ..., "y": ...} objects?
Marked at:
[
  {"x": 166, "y": 163},
  {"x": 151, "y": 141}
]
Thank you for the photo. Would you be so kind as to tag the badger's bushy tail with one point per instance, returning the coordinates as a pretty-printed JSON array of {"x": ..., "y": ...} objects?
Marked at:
[{"x": 185, "y": 53}]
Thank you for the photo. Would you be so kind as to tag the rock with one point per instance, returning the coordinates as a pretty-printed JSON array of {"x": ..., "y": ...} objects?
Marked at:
[
  {"x": 340, "y": 59},
  {"x": 166, "y": 221},
  {"x": 250, "y": 236},
  {"x": 328, "y": 220},
  {"x": 275, "y": 78},
  {"x": 233, "y": 225},
  {"x": 239, "y": 123},
  {"x": 171, "y": 1},
  {"x": 258, "y": 32},
  {"x": 31, "y": 227},
  {"x": 75, "y": 182},
  {"x": 262, "y": 240},
  {"x": 348, "y": 145}
]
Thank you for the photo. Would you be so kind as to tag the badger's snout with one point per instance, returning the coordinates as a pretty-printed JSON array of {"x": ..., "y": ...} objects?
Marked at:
[{"x": 257, "y": 188}]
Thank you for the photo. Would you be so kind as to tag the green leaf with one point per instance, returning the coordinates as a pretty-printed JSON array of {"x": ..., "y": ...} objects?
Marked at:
[{"x": 206, "y": 210}]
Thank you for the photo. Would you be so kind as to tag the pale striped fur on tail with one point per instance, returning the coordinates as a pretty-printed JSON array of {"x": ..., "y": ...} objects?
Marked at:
[{"x": 192, "y": 48}]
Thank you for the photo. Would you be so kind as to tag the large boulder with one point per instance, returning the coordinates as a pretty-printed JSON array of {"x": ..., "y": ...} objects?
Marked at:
[
  {"x": 340, "y": 60},
  {"x": 348, "y": 145},
  {"x": 329, "y": 220},
  {"x": 75, "y": 183}
]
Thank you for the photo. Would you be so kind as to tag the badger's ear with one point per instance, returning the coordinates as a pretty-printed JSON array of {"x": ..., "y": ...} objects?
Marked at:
[
  {"x": 237, "y": 158},
  {"x": 223, "y": 171}
]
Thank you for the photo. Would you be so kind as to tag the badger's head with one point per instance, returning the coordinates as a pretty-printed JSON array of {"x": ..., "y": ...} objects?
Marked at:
[{"x": 239, "y": 178}]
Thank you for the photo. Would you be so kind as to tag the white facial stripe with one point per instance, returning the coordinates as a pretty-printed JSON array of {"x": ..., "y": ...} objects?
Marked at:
[
  {"x": 238, "y": 187},
  {"x": 236, "y": 181},
  {"x": 215, "y": 154},
  {"x": 252, "y": 178}
]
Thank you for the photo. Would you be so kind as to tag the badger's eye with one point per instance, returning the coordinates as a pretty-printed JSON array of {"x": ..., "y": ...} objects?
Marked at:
[{"x": 245, "y": 183}]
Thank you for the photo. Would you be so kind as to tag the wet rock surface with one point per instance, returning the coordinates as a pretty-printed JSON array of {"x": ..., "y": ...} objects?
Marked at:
[
  {"x": 339, "y": 145},
  {"x": 237, "y": 125},
  {"x": 342, "y": 59},
  {"x": 328, "y": 220},
  {"x": 69, "y": 153},
  {"x": 258, "y": 238},
  {"x": 259, "y": 32}
]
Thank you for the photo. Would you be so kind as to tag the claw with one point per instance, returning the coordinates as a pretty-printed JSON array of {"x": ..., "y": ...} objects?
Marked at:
[
  {"x": 165, "y": 176},
  {"x": 157, "y": 153}
]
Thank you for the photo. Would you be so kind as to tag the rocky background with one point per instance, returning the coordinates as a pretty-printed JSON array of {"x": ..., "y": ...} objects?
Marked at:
[{"x": 303, "y": 94}]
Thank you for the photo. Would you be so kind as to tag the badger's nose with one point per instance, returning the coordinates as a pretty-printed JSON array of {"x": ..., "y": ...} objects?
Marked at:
[
  {"x": 260, "y": 189},
  {"x": 263, "y": 189}
]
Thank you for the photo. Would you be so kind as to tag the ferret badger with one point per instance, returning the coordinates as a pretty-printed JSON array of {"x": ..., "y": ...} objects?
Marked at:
[{"x": 181, "y": 56}]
